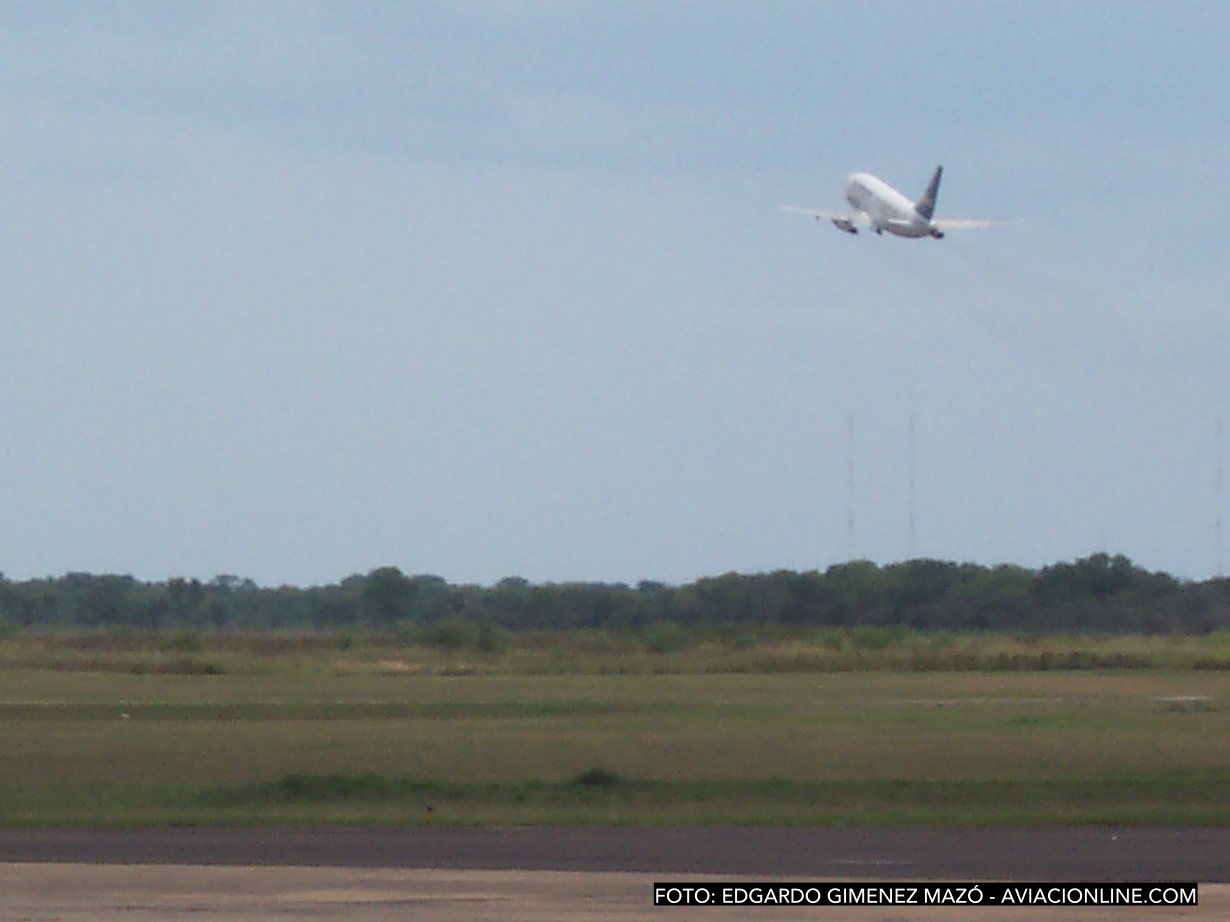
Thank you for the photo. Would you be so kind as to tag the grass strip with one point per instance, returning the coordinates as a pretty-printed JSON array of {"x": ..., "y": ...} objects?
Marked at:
[{"x": 601, "y": 797}]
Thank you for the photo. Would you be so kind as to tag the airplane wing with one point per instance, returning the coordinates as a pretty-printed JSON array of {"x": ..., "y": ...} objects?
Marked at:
[
  {"x": 848, "y": 221},
  {"x": 947, "y": 224},
  {"x": 822, "y": 214}
]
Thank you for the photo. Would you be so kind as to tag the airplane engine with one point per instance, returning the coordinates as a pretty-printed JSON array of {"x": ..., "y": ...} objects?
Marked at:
[{"x": 843, "y": 224}]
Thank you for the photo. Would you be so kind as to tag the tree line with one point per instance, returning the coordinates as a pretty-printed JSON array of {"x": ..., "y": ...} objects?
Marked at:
[{"x": 1096, "y": 593}]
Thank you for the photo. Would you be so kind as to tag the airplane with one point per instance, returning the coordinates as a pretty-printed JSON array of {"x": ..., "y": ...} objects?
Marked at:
[{"x": 880, "y": 207}]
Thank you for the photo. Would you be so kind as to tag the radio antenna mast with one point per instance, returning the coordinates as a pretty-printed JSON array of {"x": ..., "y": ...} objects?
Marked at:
[
  {"x": 913, "y": 483},
  {"x": 850, "y": 487},
  {"x": 1217, "y": 481}
]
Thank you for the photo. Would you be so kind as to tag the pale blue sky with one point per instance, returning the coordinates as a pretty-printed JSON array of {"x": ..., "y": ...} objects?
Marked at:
[{"x": 295, "y": 290}]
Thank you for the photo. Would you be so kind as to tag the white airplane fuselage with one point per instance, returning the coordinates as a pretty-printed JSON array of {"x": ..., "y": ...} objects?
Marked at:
[
  {"x": 886, "y": 208},
  {"x": 879, "y": 207}
]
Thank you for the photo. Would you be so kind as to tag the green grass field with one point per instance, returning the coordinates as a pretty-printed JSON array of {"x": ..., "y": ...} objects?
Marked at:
[
  {"x": 357, "y": 736},
  {"x": 663, "y": 648}
]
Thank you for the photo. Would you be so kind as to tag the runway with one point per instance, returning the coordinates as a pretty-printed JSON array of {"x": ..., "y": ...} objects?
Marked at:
[
  {"x": 548, "y": 875},
  {"x": 1081, "y": 853}
]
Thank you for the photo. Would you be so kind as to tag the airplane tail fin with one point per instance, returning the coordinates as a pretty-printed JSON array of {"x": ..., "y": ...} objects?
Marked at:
[{"x": 926, "y": 204}]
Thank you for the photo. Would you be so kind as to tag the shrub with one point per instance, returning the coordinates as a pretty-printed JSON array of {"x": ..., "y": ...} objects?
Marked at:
[
  {"x": 185, "y": 640},
  {"x": 450, "y": 634},
  {"x": 876, "y": 637},
  {"x": 665, "y": 637},
  {"x": 492, "y": 638},
  {"x": 193, "y": 665},
  {"x": 597, "y": 777}
]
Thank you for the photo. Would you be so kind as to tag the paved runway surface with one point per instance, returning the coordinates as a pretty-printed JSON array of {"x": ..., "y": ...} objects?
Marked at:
[
  {"x": 1084, "y": 853},
  {"x": 549, "y": 875},
  {"x": 175, "y": 893}
]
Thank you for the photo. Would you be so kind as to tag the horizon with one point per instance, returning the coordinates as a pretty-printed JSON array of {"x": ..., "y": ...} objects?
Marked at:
[{"x": 236, "y": 580}]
